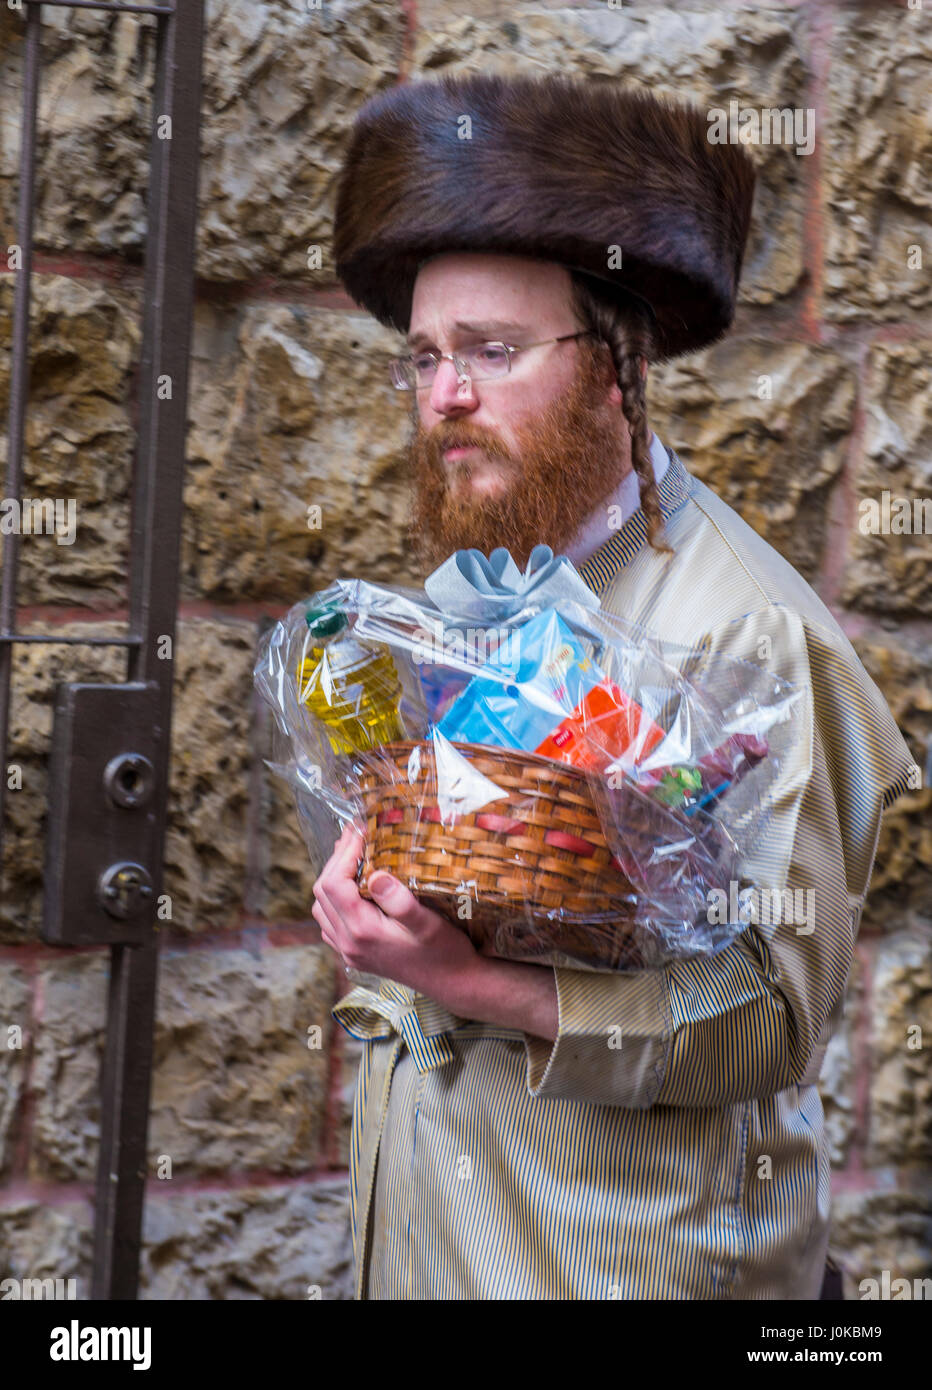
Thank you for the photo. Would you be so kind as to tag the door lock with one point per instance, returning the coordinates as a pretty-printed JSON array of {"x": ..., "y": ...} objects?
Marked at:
[
  {"x": 129, "y": 779},
  {"x": 124, "y": 889},
  {"x": 105, "y": 819}
]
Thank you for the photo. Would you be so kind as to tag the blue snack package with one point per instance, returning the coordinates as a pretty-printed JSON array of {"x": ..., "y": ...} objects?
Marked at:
[
  {"x": 518, "y": 703},
  {"x": 439, "y": 687}
]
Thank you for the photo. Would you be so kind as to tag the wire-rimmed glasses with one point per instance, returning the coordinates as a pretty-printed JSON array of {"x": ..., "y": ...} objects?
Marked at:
[{"x": 482, "y": 362}]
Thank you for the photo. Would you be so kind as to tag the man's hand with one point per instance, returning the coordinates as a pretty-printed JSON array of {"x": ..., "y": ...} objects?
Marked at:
[
  {"x": 399, "y": 939},
  {"x": 404, "y": 941}
]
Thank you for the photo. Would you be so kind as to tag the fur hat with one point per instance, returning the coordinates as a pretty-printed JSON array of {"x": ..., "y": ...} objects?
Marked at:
[{"x": 556, "y": 168}]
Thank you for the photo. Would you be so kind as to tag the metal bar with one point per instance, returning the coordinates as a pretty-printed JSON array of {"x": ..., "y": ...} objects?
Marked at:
[
  {"x": 154, "y": 564},
  {"x": 126, "y": 1077},
  {"x": 102, "y": 5},
  {"x": 19, "y": 367}
]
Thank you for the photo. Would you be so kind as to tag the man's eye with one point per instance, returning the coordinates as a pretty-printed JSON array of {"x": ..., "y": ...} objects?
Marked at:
[
  {"x": 423, "y": 362},
  {"x": 490, "y": 355}
]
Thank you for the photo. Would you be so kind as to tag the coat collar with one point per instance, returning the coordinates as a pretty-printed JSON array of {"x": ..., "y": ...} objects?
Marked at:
[{"x": 604, "y": 563}]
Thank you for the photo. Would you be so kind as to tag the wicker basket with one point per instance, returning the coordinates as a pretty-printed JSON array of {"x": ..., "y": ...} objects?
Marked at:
[{"x": 536, "y": 870}]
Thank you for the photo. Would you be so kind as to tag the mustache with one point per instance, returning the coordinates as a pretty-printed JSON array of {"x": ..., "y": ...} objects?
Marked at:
[{"x": 451, "y": 436}]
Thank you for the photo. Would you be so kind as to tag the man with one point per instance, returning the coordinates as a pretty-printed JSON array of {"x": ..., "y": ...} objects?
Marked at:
[{"x": 503, "y": 1145}]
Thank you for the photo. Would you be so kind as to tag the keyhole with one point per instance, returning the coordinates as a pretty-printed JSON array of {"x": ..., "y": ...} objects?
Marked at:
[{"x": 129, "y": 779}]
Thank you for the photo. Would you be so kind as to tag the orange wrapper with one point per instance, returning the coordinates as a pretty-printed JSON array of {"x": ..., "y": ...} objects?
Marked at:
[{"x": 604, "y": 724}]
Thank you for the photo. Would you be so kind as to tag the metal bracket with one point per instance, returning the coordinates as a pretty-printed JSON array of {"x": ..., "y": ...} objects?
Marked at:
[{"x": 100, "y": 850}]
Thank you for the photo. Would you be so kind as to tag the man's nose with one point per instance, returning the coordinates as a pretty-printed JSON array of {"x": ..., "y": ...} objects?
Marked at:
[{"x": 451, "y": 394}]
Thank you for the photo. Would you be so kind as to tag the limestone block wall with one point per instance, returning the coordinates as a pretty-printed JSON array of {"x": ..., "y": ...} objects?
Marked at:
[{"x": 818, "y": 401}]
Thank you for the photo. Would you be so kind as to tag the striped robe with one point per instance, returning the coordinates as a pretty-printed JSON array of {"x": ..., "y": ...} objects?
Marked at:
[{"x": 693, "y": 1161}]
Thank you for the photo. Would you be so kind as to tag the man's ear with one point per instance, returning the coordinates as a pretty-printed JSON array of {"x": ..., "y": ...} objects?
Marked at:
[
  {"x": 614, "y": 395},
  {"x": 609, "y": 380}
]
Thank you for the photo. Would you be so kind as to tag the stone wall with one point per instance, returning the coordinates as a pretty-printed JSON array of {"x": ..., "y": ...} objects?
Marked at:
[{"x": 290, "y": 408}]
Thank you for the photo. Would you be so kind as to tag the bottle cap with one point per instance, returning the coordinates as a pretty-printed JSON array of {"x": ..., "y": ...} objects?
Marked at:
[{"x": 324, "y": 622}]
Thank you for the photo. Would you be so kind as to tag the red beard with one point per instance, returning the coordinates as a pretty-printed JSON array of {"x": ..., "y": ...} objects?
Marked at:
[{"x": 568, "y": 460}]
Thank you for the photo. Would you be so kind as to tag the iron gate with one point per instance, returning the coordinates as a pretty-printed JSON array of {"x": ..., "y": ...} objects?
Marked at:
[{"x": 108, "y": 769}]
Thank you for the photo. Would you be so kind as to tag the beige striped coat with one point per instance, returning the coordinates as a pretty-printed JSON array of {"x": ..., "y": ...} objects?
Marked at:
[{"x": 692, "y": 1162}]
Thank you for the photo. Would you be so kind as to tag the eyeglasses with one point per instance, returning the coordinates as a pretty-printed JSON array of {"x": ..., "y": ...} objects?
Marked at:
[{"x": 484, "y": 362}]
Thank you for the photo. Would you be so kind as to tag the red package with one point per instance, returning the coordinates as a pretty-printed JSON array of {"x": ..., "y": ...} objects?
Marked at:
[{"x": 603, "y": 725}]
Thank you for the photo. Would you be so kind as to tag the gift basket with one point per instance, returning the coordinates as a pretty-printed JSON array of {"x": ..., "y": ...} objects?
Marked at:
[{"x": 560, "y": 783}]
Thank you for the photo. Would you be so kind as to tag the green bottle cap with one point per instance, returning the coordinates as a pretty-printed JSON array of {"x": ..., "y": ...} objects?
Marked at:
[{"x": 324, "y": 622}]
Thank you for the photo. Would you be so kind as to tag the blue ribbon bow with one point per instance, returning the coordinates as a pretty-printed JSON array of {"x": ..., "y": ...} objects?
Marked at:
[{"x": 493, "y": 589}]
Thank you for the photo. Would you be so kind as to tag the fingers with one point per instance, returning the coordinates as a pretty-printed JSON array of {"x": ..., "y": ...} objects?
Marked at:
[
  {"x": 322, "y": 918},
  {"x": 341, "y": 884},
  {"x": 337, "y": 888},
  {"x": 342, "y": 863},
  {"x": 348, "y": 851}
]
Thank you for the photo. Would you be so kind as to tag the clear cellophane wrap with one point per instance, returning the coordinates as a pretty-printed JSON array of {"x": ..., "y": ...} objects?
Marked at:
[{"x": 624, "y": 858}]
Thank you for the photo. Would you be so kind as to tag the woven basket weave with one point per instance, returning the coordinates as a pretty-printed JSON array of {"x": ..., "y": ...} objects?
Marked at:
[{"x": 535, "y": 866}]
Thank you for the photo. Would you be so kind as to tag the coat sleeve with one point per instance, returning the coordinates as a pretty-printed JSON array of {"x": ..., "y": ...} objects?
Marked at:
[{"x": 756, "y": 1017}]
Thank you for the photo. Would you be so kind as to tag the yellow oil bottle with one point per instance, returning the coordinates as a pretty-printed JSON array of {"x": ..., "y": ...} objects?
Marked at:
[{"x": 353, "y": 689}]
